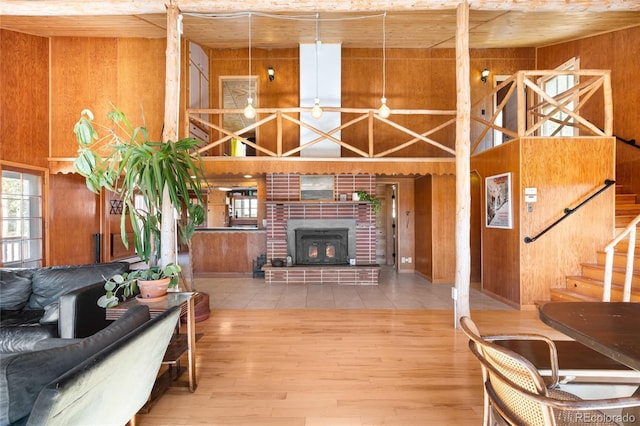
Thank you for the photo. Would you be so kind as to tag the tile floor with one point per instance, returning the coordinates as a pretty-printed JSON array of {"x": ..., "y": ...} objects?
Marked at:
[{"x": 395, "y": 291}]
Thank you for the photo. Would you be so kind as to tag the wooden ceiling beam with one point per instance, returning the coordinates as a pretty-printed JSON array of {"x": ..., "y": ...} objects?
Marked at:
[{"x": 120, "y": 7}]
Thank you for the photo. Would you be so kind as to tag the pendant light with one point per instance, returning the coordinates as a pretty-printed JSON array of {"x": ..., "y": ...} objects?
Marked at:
[
  {"x": 316, "y": 111},
  {"x": 384, "y": 110},
  {"x": 249, "y": 110}
]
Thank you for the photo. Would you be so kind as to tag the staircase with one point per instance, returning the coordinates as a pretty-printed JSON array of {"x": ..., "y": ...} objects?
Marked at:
[{"x": 589, "y": 285}]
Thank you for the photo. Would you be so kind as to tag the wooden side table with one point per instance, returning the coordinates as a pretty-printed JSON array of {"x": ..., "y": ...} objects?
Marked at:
[{"x": 179, "y": 345}]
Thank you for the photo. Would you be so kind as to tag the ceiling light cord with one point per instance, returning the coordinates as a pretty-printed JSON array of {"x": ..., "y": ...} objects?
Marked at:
[
  {"x": 250, "y": 111},
  {"x": 316, "y": 111},
  {"x": 384, "y": 110}
]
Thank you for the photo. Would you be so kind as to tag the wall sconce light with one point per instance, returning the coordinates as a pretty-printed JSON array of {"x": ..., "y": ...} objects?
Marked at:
[
  {"x": 271, "y": 73},
  {"x": 484, "y": 75}
]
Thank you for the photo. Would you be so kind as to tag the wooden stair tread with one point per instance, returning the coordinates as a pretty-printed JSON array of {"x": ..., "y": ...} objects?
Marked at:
[
  {"x": 615, "y": 268},
  {"x": 567, "y": 295},
  {"x": 593, "y": 281}
]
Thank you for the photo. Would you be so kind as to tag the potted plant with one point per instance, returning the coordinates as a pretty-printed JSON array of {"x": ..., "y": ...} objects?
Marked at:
[
  {"x": 125, "y": 162},
  {"x": 150, "y": 283},
  {"x": 365, "y": 196}
]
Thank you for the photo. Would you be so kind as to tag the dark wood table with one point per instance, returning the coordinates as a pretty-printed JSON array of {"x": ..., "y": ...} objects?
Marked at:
[{"x": 611, "y": 328}]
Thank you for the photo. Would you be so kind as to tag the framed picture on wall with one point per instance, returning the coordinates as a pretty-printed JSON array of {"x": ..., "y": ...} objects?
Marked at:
[
  {"x": 498, "y": 201},
  {"x": 316, "y": 187}
]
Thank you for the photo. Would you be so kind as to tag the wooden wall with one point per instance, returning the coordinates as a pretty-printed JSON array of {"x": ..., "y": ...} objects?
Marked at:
[
  {"x": 74, "y": 218},
  {"x": 565, "y": 172},
  {"x": 282, "y": 92},
  {"x": 83, "y": 73},
  {"x": 226, "y": 252},
  {"x": 435, "y": 228},
  {"x": 24, "y": 101},
  {"x": 95, "y": 73},
  {"x": 500, "y": 247},
  {"x": 618, "y": 52},
  {"x": 415, "y": 79}
]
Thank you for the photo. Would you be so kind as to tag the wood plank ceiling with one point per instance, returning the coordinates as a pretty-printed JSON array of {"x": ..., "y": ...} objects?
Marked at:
[{"x": 429, "y": 28}]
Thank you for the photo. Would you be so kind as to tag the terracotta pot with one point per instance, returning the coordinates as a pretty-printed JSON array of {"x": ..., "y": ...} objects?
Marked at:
[{"x": 153, "y": 288}]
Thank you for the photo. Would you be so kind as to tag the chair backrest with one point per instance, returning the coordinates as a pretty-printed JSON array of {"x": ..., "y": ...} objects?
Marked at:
[
  {"x": 111, "y": 387},
  {"x": 509, "y": 377}
]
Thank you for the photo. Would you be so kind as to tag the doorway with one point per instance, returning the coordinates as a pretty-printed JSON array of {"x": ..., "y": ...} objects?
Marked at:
[{"x": 386, "y": 229}]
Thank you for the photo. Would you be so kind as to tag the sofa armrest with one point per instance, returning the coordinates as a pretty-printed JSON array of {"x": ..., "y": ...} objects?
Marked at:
[{"x": 80, "y": 316}]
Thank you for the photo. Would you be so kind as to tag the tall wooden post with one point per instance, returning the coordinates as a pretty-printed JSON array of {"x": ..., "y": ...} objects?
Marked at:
[
  {"x": 170, "y": 132},
  {"x": 463, "y": 174}
]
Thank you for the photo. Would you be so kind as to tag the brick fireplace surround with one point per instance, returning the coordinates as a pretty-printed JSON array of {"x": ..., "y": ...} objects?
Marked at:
[{"x": 283, "y": 203}]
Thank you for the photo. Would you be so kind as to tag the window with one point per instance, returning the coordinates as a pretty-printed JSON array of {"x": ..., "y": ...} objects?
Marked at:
[
  {"x": 245, "y": 207},
  {"x": 560, "y": 125},
  {"x": 22, "y": 220}
]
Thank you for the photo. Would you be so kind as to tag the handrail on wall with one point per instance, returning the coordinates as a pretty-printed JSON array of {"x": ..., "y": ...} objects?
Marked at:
[
  {"x": 630, "y": 231},
  {"x": 568, "y": 211}
]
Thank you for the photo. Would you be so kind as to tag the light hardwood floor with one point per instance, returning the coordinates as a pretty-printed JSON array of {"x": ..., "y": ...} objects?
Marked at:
[{"x": 336, "y": 367}]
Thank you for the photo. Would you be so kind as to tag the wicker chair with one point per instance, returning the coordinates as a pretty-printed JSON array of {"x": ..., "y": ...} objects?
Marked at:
[{"x": 516, "y": 394}]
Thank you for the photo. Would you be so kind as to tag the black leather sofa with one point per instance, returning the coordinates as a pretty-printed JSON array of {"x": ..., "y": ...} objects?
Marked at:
[
  {"x": 102, "y": 379},
  {"x": 57, "y": 301}
]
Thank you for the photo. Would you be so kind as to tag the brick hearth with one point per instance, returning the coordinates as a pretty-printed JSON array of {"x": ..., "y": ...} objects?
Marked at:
[{"x": 283, "y": 203}]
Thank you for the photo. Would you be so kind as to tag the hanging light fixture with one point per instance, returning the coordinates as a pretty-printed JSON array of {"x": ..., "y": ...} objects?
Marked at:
[
  {"x": 249, "y": 110},
  {"x": 316, "y": 111},
  {"x": 384, "y": 110}
]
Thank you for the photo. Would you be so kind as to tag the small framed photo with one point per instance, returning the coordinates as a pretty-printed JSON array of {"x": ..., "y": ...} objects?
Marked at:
[
  {"x": 498, "y": 201},
  {"x": 316, "y": 187}
]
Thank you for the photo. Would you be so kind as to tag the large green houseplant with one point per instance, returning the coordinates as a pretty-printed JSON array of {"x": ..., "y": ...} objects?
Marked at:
[{"x": 124, "y": 161}]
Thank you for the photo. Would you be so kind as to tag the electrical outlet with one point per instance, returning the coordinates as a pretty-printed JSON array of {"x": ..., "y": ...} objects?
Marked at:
[
  {"x": 454, "y": 293},
  {"x": 409, "y": 260}
]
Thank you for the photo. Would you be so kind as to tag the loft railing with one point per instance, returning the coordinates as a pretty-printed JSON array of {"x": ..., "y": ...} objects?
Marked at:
[
  {"x": 630, "y": 233},
  {"x": 206, "y": 119},
  {"x": 568, "y": 211},
  {"x": 536, "y": 108},
  {"x": 538, "y": 111}
]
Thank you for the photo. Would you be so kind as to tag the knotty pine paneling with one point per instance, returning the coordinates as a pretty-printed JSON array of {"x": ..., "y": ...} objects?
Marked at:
[
  {"x": 500, "y": 247},
  {"x": 565, "y": 172},
  {"x": 226, "y": 252},
  {"x": 424, "y": 227},
  {"x": 73, "y": 219},
  {"x": 95, "y": 73},
  {"x": 24, "y": 103},
  {"x": 444, "y": 216},
  {"x": 616, "y": 51},
  {"x": 141, "y": 82},
  {"x": 435, "y": 251},
  {"x": 282, "y": 92},
  {"x": 83, "y": 75},
  {"x": 416, "y": 78}
]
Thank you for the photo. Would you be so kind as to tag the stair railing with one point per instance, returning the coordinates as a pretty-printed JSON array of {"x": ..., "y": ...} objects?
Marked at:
[
  {"x": 568, "y": 211},
  {"x": 629, "y": 231}
]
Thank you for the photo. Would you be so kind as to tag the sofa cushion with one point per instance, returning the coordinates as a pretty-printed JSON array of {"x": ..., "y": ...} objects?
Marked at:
[
  {"x": 15, "y": 288},
  {"x": 24, "y": 375},
  {"x": 51, "y": 314},
  {"x": 23, "y": 337},
  {"x": 48, "y": 284}
]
